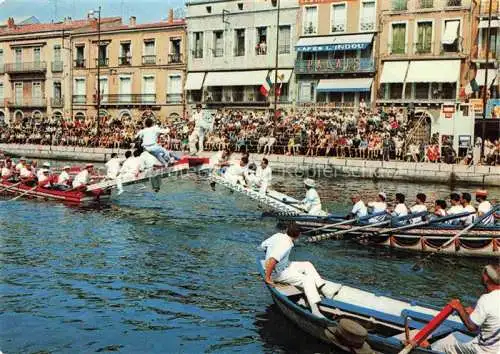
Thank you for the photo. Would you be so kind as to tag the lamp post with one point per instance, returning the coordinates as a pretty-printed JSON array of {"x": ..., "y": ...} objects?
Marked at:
[
  {"x": 276, "y": 3},
  {"x": 92, "y": 13},
  {"x": 485, "y": 89}
]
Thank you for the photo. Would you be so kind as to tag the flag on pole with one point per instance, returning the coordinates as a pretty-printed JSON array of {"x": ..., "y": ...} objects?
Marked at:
[
  {"x": 281, "y": 77},
  {"x": 266, "y": 87}
]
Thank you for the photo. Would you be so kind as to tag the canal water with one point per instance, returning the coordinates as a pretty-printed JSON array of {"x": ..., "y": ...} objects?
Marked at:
[{"x": 175, "y": 272}]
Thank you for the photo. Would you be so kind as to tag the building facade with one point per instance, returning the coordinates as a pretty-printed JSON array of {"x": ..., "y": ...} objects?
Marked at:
[
  {"x": 141, "y": 70},
  {"x": 35, "y": 69},
  {"x": 232, "y": 48},
  {"x": 336, "y": 51}
]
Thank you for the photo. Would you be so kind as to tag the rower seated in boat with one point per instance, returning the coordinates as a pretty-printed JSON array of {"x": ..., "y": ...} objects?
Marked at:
[
  {"x": 378, "y": 206},
  {"x": 439, "y": 208},
  {"x": 82, "y": 179},
  {"x": 43, "y": 176},
  {"x": 419, "y": 207},
  {"x": 130, "y": 169},
  {"x": 484, "y": 207},
  {"x": 359, "y": 209},
  {"x": 20, "y": 164},
  {"x": 26, "y": 174},
  {"x": 455, "y": 208},
  {"x": 311, "y": 203},
  {"x": 278, "y": 268},
  {"x": 484, "y": 319},
  {"x": 63, "y": 181},
  {"x": 264, "y": 176},
  {"x": 113, "y": 166},
  {"x": 6, "y": 170},
  {"x": 465, "y": 200},
  {"x": 400, "y": 209},
  {"x": 235, "y": 173}
]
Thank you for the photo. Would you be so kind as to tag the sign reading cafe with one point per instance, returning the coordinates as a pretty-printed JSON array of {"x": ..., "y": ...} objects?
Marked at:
[{"x": 332, "y": 47}]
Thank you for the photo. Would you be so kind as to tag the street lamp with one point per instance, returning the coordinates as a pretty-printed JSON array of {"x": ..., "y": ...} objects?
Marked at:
[
  {"x": 92, "y": 13},
  {"x": 276, "y": 3}
]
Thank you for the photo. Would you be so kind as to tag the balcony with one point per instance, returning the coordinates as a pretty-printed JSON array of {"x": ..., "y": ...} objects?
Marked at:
[
  {"x": 326, "y": 66},
  {"x": 284, "y": 48},
  {"x": 399, "y": 5},
  {"x": 57, "y": 102},
  {"x": 57, "y": 66},
  {"x": 132, "y": 99},
  {"x": 79, "y": 63},
  {"x": 218, "y": 52},
  {"x": 452, "y": 3},
  {"x": 79, "y": 99},
  {"x": 175, "y": 58},
  {"x": 367, "y": 24},
  {"x": 124, "y": 61},
  {"x": 27, "y": 102},
  {"x": 261, "y": 49},
  {"x": 33, "y": 67},
  {"x": 102, "y": 62},
  {"x": 197, "y": 53},
  {"x": 149, "y": 59},
  {"x": 426, "y": 4},
  {"x": 174, "y": 97}
]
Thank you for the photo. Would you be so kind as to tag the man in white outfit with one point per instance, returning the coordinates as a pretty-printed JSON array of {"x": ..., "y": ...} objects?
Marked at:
[
  {"x": 377, "y": 207},
  {"x": 113, "y": 166},
  {"x": 264, "y": 175},
  {"x": 419, "y": 207},
  {"x": 311, "y": 203},
  {"x": 278, "y": 268},
  {"x": 129, "y": 170},
  {"x": 465, "y": 201},
  {"x": 83, "y": 177},
  {"x": 484, "y": 207},
  {"x": 201, "y": 126},
  {"x": 149, "y": 136},
  {"x": 359, "y": 209}
]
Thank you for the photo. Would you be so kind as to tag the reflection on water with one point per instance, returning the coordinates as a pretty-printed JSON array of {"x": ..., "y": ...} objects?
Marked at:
[{"x": 175, "y": 272}]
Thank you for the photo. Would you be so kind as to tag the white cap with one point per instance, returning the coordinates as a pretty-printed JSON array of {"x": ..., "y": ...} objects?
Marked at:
[
  {"x": 66, "y": 167},
  {"x": 383, "y": 195},
  {"x": 310, "y": 182},
  {"x": 46, "y": 164}
]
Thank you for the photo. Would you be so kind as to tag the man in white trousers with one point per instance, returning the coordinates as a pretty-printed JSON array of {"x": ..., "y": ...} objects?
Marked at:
[
  {"x": 302, "y": 274},
  {"x": 264, "y": 176}
]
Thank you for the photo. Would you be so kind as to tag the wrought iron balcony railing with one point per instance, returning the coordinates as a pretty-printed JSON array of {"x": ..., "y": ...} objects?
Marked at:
[
  {"x": 350, "y": 65},
  {"x": 35, "y": 102},
  {"x": 57, "y": 102},
  {"x": 453, "y": 3},
  {"x": 132, "y": 99},
  {"x": 149, "y": 59},
  {"x": 57, "y": 66},
  {"x": 26, "y": 67},
  {"x": 175, "y": 58},
  {"x": 102, "y": 62},
  {"x": 218, "y": 52},
  {"x": 174, "y": 97},
  {"x": 426, "y": 4},
  {"x": 126, "y": 60},
  {"x": 79, "y": 99},
  {"x": 79, "y": 63}
]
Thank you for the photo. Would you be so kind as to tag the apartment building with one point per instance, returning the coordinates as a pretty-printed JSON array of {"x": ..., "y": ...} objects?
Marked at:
[
  {"x": 35, "y": 68},
  {"x": 424, "y": 52},
  {"x": 141, "y": 70},
  {"x": 336, "y": 51},
  {"x": 232, "y": 50}
]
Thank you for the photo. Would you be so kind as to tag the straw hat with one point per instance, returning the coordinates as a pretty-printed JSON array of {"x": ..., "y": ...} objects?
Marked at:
[
  {"x": 66, "y": 167},
  {"x": 46, "y": 164},
  {"x": 481, "y": 193},
  {"x": 383, "y": 195},
  {"x": 349, "y": 336},
  {"x": 310, "y": 182},
  {"x": 492, "y": 273}
]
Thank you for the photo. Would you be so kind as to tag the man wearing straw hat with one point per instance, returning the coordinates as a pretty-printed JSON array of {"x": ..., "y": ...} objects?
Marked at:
[{"x": 484, "y": 206}]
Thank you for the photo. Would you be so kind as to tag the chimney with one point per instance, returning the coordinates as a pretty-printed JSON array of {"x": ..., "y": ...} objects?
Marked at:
[
  {"x": 170, "y": 15},
  {"x": 10, "y": 23},
  {"x": 133, "y": 20}
]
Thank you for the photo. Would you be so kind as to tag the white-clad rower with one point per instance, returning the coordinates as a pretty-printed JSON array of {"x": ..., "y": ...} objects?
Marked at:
[
  {"x": 130, "y": 169},
  {"x": 455, "y": 208},
  {"x": 40, "y": 174},
  {"x": 45, "y": 180},
  {"x": 400, "y": 209},
  {"x": 83, "y": 177},
  {"x": 149, "y": 136},
  {"x": 378, "y": 206},
  {"x": 484, "y": 207},
  {"x": 311, "y": 203},
  {"x": 26, "y": 172},
  {"x": 264, "y": 175},
  {"x": 20, "y": 164},
  {"x": 419, "y": 207},
  {"x": 236, "y": 172},
  {"x": 113, "y": 166},
  {"x": 359, "y": 209},
  {"x": 64, "y": 177},
  {"x": 6, "y": 171},
  {"x": 278, "y": 268},
  {"x": 465, "y": 200}
]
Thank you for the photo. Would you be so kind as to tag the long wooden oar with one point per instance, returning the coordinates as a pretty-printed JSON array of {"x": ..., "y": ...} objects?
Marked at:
[
  {"x": 11, "y": 186},
  {"x": 345, "y": 222},
  {"x": 342, "y": 232},
  {"x": 417, "y": 266},
  {"x": 428, "y": 329},
  {"x": 22, "y": 194}
]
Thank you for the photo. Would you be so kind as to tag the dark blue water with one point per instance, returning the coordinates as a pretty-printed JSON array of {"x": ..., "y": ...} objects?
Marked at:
[{"x": 175, "y": 272}]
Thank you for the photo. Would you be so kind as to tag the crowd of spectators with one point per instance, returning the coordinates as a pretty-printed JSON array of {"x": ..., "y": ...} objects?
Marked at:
[{"x": 354, "y": 133}]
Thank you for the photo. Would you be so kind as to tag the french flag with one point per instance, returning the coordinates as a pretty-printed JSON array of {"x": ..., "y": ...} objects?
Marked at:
[{"x": 266, "y": 87}]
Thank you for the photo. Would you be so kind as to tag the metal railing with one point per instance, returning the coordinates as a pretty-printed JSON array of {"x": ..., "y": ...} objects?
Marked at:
[
  {"x": 197, "y": 53},
  {"x": 349, "y": 65},
  {"x": 426, "y": 4},
  {"x": 102, "y": 61},
  {"x": 261, "y": 50},
  {"x": 57, "y": 66},
  {"x": 311, "y": 29},
  {"x": 36, "y": 66},
  {"x": 338, "y": 27},
  {"x": 284, "y": 48},
  {"x": 367, "y": 24},
  {"x": 121, "y": 99},
  {"x": 27, "y": 102},
  {"x": 452, "y": 3},
  {"x": 218, "y": 52},
  {"x": 175, "y": 58},
  {"x": 125, "y": 60},
  {"x": 399, "y": 5},
  {"x": 79, "y": 63},
  {"x": 148, "y": 59},
  {"x": 57, "y": 102},
  {"x": 79, "y": 99},
  {"x": 174, "y": 97}
]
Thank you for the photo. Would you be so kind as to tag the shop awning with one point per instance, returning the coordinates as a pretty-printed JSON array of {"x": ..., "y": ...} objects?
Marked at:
[
  {"x": 236, "y": 78},
  {"x": 345, "y": 85},
  {"x": 494, "y": 24},
  {"x": 332, "y": 43},
  {"x": 492, "y": 76},
  {"x": 194, "y": 81},
  {"x": 394, "y": 72},
  {"x": 284, "y": 74},
  {"x": 433, "y": 71},
  {"x": 450, "y": 32}
]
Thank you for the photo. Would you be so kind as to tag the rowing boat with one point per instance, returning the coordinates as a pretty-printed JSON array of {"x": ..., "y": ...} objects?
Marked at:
[{"x": 389, "y": 321}]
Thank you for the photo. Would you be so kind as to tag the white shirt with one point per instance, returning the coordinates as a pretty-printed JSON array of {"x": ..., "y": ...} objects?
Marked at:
[
  {"x": 6, "y": 172},
  {"x": 484, "y": 208},
  {"x": 469, "y": 219},
  {"x": 417, "y": 208},
  {"x": 359, "y": 209},
  {"x": 486, "y": 316},
  {"x": 131, "y": 167},
  {"x": 454, "y": 210},
  {"x": 235, "y": 174},
  {"x": 378, "y": 207},
  {"x": 400, "y": 210},
  {"x": 113, "y": 167},
  {"x": 44, "y": 180},
  {"x": 63, "y": 178},
  {"x": 148, "y": 161},
  {"x": 264, "y": 175},
  {"x": 278, "y": 246},
  {"x": 25, "y": 173},
  {"x": 312, "y": 202},
  {"x": 81, "y": 179},
  {"x": 19, "y": 166},
  {"x": 39, "y": 175},
  {"x": 150, "y": 135}
]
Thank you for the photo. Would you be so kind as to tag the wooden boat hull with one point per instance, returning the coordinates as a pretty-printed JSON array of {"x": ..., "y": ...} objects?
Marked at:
[{"x": 316, "y": 326}]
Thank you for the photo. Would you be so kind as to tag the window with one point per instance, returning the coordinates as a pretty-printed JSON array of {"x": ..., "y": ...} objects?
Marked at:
[
  {"x": 368, "y": 15},
  {"x": 18, "y": 92},
  {"x": 421, "y": 90},
  {"x": 174, "y": 94},
  {"x": 239, "y": 42},
  {"x": 240, "y": 6},
  {"x": 102, "y": 54},
  {"x": 209, "y": 9},
  {"x": 103, "y": 89},
  {"x": 79, "y": 90},
  {"x": 424, "y": 37},
  {"x": 149, "y": 56},
  {"x": 198, "y": 45},
  {"x": 125, "y": 54},
  {"x": 18, "y": 55},
  {"x": 1, "y": 62},
  {"x": 36, "y": 93},
  {"x": 450, "y": 36},
  {"x": 175, "y": 51},
  {"x": 36, "y": 55},
  {"x": 338, "y": 18},
  {"x": 57, "y": 53},
  {"x": 80, "y": 56},
  {"x": 125, "y": 89},
  {"x": 1, "y": 91},
  {"x": 310, "y": 20},
  {"x": 57, "y": 91},
  {"x": 148, "y": 89},
  {"x": 261, "y": 40},
  {"x": 218, "y": 48},
  {"x": 398, "y": 44},
  {"x": 284, "y": 40},
  {"x": 399, "y": 5}
]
